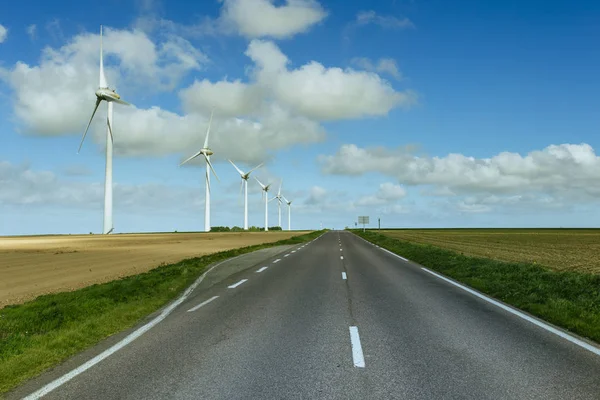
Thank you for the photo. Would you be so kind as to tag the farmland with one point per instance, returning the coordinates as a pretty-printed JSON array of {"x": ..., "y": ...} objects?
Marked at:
[
  {"x": 558, "y": 249},
  {"x": 34, "y": 265}
]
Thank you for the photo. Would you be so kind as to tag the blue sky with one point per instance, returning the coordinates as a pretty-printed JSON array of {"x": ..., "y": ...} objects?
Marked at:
[{"x": 426, "y": 114}]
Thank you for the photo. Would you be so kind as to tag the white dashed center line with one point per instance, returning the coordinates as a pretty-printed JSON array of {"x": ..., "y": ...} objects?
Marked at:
[
  {"x": 286, "y": 255},
  {"x": 357, "y": 353},
  {"x": 276, "y": 261},
  {"x": 262, "y": 269},
  {"x": 344, "y": 276},
  {"x": 203, "y": 304},
  {"x": 237, "y": 284},
  {"x": 341, "y": 257}
]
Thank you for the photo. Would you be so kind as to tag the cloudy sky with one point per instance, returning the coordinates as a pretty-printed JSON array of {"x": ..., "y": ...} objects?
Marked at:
[{"x": 421, "y": 113}]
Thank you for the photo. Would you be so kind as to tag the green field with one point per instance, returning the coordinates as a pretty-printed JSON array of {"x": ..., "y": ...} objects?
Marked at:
[{"x": 557, "y": 249}]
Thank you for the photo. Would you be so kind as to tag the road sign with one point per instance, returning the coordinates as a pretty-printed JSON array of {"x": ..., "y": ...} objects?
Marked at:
[{"x": 363, "y": 220}]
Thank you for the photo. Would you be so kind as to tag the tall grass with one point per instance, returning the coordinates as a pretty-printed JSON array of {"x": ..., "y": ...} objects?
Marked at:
[{"x": 567, "y": 299}]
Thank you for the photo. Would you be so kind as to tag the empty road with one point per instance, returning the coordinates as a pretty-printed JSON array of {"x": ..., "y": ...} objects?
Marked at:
[{"x": 337, "y": 318}]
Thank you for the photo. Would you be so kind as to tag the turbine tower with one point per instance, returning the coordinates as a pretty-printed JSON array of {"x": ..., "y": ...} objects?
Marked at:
[
  {"x": 265, "y": 189},
  {"x": 244, "y": 185},
  {"x": 109, "y": 95},
  {"x": 278, "y": 197},
  {"x": 289, "y": 204},
  {"x": 206, "y": 152}
]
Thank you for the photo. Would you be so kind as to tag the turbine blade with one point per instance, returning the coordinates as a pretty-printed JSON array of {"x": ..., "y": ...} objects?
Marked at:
[
  {"x": 120, "y": 101},
  {"x": 211, "y": 167},
  {"x": 260, "y": 183},
  {"x": 286, "y": 200},
  {"x": 103, "y": 83},
  {"x": 255, "y": 168},
  {"x": 280, "y": 185},
  {"x": 208, "y": 182},
  {"x": 112, "y": 139},
  {"x": 208, "y": 130},
  {"x": 191, "y": 158},
  {"x": 241, "y": 190},
  {"x": 235, "y": 166},
  {"x": 98, "y": 100}
]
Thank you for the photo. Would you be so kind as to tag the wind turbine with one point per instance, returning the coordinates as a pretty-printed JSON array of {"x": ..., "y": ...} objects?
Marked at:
[
  {"x": 206, "y": 152},
  {"x": 244, "y": 184},
  {"x": 289, "y": 204},
  {"x": 109, "y": 95},
  {"x": 265, "y": 189},
  {"x": 278, "y": 197}
]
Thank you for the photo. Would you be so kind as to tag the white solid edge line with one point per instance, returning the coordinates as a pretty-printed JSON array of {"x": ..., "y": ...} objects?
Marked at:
[
  {"x": 344, "y": 275},
  {"x": 118, "y": 346},
  {"x": 236, "y": 284},
  {"x": 276, "y": 261},
  {"x": 357, "y": 353},
  {"x": 519, "y": 314},
  {"x": 203, "y": 304},
  {"x": 262, "y": 269}
]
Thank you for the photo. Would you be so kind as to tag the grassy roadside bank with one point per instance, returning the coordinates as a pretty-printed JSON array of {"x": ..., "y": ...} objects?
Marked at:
[
  {"x": 567, "y": 299},
  {"x": 43, "y": 332}
]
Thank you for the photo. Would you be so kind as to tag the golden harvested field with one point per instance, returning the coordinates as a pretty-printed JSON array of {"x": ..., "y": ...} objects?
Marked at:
[
  {"x": 35, "y": 265},
  {"x": 559, "y": 249}
]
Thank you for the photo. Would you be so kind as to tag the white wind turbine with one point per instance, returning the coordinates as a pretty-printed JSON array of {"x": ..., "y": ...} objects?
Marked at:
[
  {"x": 244, "y": 184},
  {"x": 265, "y": 189},
  {"x": 206, "y": 152},
  {"x": 279, "y": 197},
  {"x": 289, "y": 204},
  {"x": 109, "y": 95}
]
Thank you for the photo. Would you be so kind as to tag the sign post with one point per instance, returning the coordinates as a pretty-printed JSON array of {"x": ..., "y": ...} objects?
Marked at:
[{"x": 364, "y": 220}]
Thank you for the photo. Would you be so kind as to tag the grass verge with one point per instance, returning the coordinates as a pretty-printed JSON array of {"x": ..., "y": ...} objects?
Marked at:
[
  {"x": 567, "y": 299},
  {"x": 37, "y": 335}
]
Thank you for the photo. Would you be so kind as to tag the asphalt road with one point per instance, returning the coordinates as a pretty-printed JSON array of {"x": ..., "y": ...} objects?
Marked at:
[{"x": 284, "y": 333}]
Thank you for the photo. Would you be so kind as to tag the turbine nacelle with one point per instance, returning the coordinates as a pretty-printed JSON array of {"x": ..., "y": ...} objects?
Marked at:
[{"x": 207, "y": 152}]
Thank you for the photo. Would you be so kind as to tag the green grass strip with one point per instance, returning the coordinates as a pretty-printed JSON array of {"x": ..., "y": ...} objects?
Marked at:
[
  {"x": 567, "y": 299},
  {"x": 40, "y": 334}
]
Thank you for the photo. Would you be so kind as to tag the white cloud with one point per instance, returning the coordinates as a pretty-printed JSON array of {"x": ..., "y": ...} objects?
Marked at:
[
  {"x": 277, "y": 108},
  {"x": 324, "y": 93},
  {"x": 561, "y": 171},
  {"x": 31, "y": 31},
  {"x": 384, "y": 21},
  {"x": 23, "y": 186},
  {"x": 382, "y": 66},
  {"x": 263, "y": 18},
  {"x": 388, "y": 193},
  {"x": 3, "y": 33},
  {"x": 317, "y": 195}
]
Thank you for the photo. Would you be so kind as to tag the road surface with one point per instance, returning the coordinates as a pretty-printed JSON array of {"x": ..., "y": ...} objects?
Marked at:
[{"x": 337, "y": 318}]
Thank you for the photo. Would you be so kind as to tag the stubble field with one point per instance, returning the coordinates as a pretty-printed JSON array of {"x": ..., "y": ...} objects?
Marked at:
[
  {"x": 558, "y": 249},
  {"x": 34, "y": 265}
]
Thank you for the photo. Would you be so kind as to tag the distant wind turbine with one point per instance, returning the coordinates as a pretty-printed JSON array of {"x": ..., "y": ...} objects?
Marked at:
[
  {"x": 244, "y": 185},
  {"x": 289, "y": 204},
  {"x": 206, "y": 152},
  {"x": 278, "y": 197},
  {"x": 265, "y": 189},
  {"x": 109, "y": 95}
]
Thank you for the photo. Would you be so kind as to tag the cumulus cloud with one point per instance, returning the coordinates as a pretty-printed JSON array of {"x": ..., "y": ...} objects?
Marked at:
[
  {"x": 388, "y": 193},
  {"x": 382, "y": 66},
  {"x": 276, "y": 108},
  {"x": 55, "y": 96},
  {"x": 312, "y": 90},
  {"x": 3, "y": 33},
  {"x": 263, "y": 18},
  {"x": 23, "y": 186},
  {"x": 562, "y": 171},
  {"x": 384, "y": 21}
]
